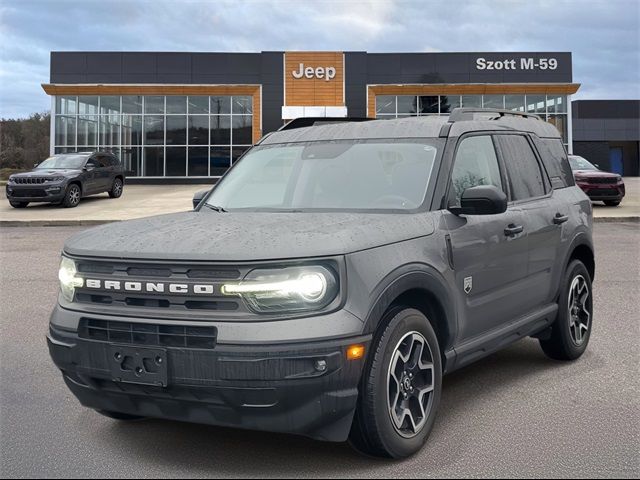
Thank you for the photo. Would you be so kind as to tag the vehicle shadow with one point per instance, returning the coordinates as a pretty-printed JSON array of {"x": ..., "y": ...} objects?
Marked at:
[
  {"x": 84, "y": 202},
  {"x": 221, "y": 451}
]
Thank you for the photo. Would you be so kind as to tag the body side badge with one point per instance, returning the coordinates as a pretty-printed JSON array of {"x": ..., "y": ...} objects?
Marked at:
[{"x": 468, "y": 285}]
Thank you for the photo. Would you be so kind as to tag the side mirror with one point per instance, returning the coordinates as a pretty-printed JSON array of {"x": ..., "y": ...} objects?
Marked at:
[
  {"x": 198, "y": 196},
  {"x": 88, "y": 167},
  {"x": 481, "y": 200}
]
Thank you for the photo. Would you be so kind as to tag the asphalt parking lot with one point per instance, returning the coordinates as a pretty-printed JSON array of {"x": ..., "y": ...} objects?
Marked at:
[{"x": 514, "y": 414}]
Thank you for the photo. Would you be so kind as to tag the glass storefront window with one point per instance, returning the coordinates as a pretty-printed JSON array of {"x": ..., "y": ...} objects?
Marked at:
[
  {"x": 220, "y": 129},
  {"x": 198, "y": 105},
  {"x": 386, "y": 104},
  {"x": 242, "y": 129},
  {"x": 131, "y": 130},
  {"x": 556, "y": 104},
  {"x": 153, "y": 130},
  {"x": 65, "y": 131},
  {"x": 132, "y": 104},
  {"x": 560, "y": 122},
  {"x": 198, "y": 162},
  {"x": 242, "y": 106},
  {"x": 153, "y": 105},
  {"x": 88, "y": 131},
  {"x": 220, "y": 105},
  {"x": 536, "y": 104},
  {"x": 153, "y": 162},
  {"x": 449, "y": 102},
  {"x": 176, "y": 104},
  {"x": 198, "y": 130},
  {"x": 109, "y": 130},
  {"x": 429, "y": 105},
  {"x": 471, "y": 101},
  {"x": 493, "y": 101},
  {"x": 176, "y": 161},
  {"x": 407, "y": 104},
  {"x": 131, "y": 158},
  {"x": 219, "y": 160},
  {"x": 66, "y": 105},
  {"x": 109, "y": 105},
  {"x": 176, "y": 130},
  {"x": 88, "y": 105},
  {"x": 514, "y": 102}
]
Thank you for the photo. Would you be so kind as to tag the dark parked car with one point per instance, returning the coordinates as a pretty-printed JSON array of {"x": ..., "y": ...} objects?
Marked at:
[
  {"x": 597, "y": 184},
  {"x": 66, "y": 178},
  {"x": 331, "y": 278}
]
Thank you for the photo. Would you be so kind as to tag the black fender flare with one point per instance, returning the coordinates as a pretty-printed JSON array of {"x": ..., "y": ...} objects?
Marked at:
[
  {"x": 410, "y": 277},
  {"x": 580, "y": 238}
]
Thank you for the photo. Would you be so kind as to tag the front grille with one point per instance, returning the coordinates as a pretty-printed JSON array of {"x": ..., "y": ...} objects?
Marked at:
[
  {"x": 161, "y": 302},
  {"x": 29, "y": 192},
  {"x": 604, "y": 192},
  {"x": 149, "y": 335},
  {"x": 604, "y": 180},
  {"x": 30, "y": 180}
]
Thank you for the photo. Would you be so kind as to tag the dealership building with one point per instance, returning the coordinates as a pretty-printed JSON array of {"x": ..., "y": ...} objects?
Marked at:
[{"x": 187, "y": 116}]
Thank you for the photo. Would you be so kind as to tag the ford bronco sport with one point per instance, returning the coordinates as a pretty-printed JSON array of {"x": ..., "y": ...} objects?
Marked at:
[{"x": 332, "y": 277}]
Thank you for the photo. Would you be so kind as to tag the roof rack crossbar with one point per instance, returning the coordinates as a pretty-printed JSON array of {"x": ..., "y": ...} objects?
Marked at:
[
  {"x": 460, "y": 114},
  {"x": 302, "y": 122}
]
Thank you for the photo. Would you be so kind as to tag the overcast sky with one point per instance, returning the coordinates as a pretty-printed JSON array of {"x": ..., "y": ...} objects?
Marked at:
[{"x": 603, "y": 35}]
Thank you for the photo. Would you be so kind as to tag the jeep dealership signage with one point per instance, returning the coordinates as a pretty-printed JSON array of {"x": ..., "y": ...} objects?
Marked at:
[{"x": 326, "y": 73}]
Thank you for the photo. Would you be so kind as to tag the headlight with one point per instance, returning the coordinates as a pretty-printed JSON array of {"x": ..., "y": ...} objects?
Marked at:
[
  {"x": 293, "y": 289},
  {"x": 55, "y": 179},
  {"x": 68, "y": 279}
]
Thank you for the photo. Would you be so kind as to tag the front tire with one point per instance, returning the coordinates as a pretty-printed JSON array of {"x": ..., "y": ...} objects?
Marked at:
[
  {"x": 571, "y": 332},
  {"x": 18, "y": 204},
  {"x": 612, "y": 203},
  {"x": 400, "y": 389},
  {"x": 117, "y": 188},
  {"x": 72, "y": 196}
]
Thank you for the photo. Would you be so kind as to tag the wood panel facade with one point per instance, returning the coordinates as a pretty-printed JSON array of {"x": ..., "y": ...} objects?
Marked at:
[{"x": 314, "y": 91}]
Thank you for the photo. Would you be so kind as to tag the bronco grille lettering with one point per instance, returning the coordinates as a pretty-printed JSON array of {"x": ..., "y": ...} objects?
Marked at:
[{"x": 149, "y": 287}]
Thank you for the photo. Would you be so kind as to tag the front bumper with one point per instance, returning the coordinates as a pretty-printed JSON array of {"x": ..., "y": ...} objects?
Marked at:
[
  {"x": 35, "y": 193},
  {"x": 598, "y": 192},
  {"x": 309, "y": 389}
]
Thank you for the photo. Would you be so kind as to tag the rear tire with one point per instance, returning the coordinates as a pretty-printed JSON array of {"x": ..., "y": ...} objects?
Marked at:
[
  {"x": 400, "y": 388},
  {"x": 116, "y": 188},
  {"x": 571, "y": 331},
  {"x": 18, "y": 204},
  {"x": 612, "y": 203},
  {"x": 124, "y": 417},
  {"x": 72, "y": 196}
]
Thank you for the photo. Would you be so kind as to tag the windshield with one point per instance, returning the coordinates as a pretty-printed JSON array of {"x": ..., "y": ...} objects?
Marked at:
[
  {"x": 64, "y": 161},
  {"x": 329, "y": 175},
  {"x": 579, "y": 163}
]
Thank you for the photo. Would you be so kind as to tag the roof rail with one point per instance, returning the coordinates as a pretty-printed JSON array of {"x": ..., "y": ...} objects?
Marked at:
[
  {"x": 311, "y": 121},
  {"x": 461, "y": 114}
]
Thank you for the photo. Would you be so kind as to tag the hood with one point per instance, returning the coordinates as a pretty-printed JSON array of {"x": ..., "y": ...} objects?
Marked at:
[
  {"x": 46, "y": 173},
  {"x": 594, "y": 174},
  {"x": 212, "y": 236}
]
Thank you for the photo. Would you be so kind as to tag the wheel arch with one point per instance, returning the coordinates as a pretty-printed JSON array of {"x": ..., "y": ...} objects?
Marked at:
[
  {"x": 582, "y": 249},
  {"x": 423, "y": 288}
]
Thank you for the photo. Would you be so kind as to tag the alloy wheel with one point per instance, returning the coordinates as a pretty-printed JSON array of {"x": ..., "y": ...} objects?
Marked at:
[
  {"x": 74, "y": 195},
  {"x": 579, "y": 314},
  {"x": 410, "y": 384},
  {"x": 117, "y": 188}
]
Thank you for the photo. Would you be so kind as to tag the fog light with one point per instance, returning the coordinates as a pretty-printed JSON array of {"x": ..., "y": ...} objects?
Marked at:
[{"x": 355, "y": 352}]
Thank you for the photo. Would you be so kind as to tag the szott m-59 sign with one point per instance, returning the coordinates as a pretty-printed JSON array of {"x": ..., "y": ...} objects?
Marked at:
[{"x": 522, "y": 63}]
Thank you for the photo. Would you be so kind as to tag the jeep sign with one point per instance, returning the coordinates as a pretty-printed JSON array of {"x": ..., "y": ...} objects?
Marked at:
[{"x": 327, "y": 73}]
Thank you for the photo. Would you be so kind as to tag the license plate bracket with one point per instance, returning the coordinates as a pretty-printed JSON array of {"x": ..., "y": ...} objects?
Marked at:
[{"x": 142, "y": 366}]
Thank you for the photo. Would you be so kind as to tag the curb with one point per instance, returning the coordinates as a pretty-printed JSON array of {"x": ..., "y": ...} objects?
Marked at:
[
  {"x": 90, "y": 223},
  {"x": 54, "y": 223}
]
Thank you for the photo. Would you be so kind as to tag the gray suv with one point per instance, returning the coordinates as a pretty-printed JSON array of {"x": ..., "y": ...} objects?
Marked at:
[
  {"x": 332, "y": 277},
  {"x": 66, "y": 178}
]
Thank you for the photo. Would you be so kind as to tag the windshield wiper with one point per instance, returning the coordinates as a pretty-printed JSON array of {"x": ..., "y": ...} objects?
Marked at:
[{"x": 215, "y": 208}]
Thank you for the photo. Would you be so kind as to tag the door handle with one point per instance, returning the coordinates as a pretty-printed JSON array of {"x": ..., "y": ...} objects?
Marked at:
[
  {"x": 512, "y": 230},
  {"x": 559, "y": 219}
]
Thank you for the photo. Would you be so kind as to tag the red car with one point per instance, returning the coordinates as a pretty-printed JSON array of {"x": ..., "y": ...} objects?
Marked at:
[{"x": 598, "y": 185}]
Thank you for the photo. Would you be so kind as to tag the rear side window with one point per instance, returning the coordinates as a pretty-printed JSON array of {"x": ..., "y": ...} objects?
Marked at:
[
  {"x": 113, "y": 160},
  {"x": 556, "y": 162},
  {"x": 475, "y": 164},
  {"x": 526, "y": 178}
]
